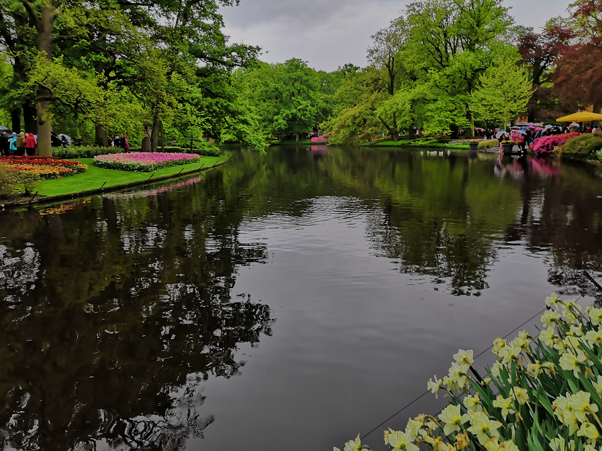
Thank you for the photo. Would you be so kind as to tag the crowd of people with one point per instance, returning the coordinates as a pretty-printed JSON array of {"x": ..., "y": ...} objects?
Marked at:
[
  {"x": 21, "y": 144},
  {"x": 118, "y": 141}
]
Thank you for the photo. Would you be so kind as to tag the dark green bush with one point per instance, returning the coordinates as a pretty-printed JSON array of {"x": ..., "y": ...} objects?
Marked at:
[
  {"x": 170, "y": 149},
  {"x": 583, "y": 145},
  {"x": 84, "y": 152}
]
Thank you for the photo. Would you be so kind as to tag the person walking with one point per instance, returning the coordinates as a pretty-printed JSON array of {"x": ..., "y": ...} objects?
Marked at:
[
  {"x": 12, "y": 145},
  {"x": 30, "y": 144},
  {"x": 124, "y": 142},
  {"x": 20, "y": 144}
]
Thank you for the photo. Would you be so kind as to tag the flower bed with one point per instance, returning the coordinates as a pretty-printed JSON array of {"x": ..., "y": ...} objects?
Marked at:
[
  {"x": 541, "y": 394},
  {"x": 144, "y": 162},
  {"x": 43, "y": 167},
  {"x": 546, "y": 144}
]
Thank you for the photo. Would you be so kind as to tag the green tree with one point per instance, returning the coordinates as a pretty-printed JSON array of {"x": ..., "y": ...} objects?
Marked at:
[{"x": 504, "y": 90}]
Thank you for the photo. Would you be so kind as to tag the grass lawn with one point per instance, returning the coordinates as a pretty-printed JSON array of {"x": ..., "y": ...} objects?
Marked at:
[
  {"x": 94, "y": 177},
  {"x": 409, "y": 143}
]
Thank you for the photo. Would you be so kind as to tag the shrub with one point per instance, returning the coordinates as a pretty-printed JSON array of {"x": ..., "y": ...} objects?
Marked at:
[
  {"x": 546, "y": 144},
  {"x": 541, "y": 394},
  {"x": 84, "y": 152},
  {"x": 29, "y": 181},
  {"x": 209, "y": 151},
  {"x": 583, "y": 145},
  {"x": 7, "y": 181},
  {"x": 489, "y": 143}
]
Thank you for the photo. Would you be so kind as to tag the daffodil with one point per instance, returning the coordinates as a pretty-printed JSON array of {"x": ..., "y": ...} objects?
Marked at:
[
  {"x": 498, "y": 345},
  {"x": 570, "y": 310},
  {"x": 581, "y": 406},
  {"x": 352, "y": 445},
  {"x": 495, "y": 369},
  {"x": 521, "y": 395},
  {"x": 434, "y": 386},
  {"x": 453, "y": 419},
  {"x": 548, "y": 336},
  {"x": 571, "y": 362},
  {"x": 535, "y": 368},
  {"x": 464, "y": 357},
  {"x": 552, "y": 300},
  {"x": 459, "y": 373},
  {"x": 506, "y": 404},
  {"x": 462, "y": 441},
  {"x": 589, "y": 431},
  {"x": 577, "y": 330},
  {"x": 484, "y": 428},
  {"x": 550, "y": 318},
  {"x": 402, "y": 440},
  {"x": 472, "y": 403},
  {"x": 509, "y": 445},
  {"x": 595, "y": 316},
  {"x": 559, "y": 444},
  {"x": 510, "y": 354},
  {"x": 594, "y": 338}
]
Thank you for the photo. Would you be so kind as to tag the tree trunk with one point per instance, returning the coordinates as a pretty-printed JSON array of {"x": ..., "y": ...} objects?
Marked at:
[
  {"x": 155, "y": 132},
  {"x": 100, "y": 136},
  {"x": 296, "y": 136},
  {"x": 43, "y": 95},
  {"x": 395, "y": 133},
  {"x": 29, "y": 118},
  {"x": 162, "y": 138},
  {"x": 15, "y": 119}
]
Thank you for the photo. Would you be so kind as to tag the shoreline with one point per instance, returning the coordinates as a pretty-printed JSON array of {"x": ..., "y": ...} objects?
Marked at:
[{"x": 23, "y": 202}]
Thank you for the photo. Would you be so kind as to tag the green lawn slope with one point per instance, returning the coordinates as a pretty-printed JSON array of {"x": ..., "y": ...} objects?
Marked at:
[{"x": 94, "y": 177}]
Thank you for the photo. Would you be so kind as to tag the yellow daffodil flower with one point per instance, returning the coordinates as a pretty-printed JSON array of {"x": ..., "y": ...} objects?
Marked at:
[
  {"x": 352, "y": 445},
  {"x": 589, "y": 431},
  {"x": 581, "y": 406},
  {"x": 550, "y": 318},
  {"x": 402, "y": 441},
  {"x": 435, "y": 386},
  {"x": 484, "y": 428},
  {"x": 506, "y": 404},
  {"x": 548, "y": 336},
  {"x": 594, "y": 338},
  {"x": 464, "y": 357},
  {"x": 472, "y": 403},
  {"x": 552, "y": 300},
  {"x": 595, "y": 316},
  {"x": 453, "y": 419}
]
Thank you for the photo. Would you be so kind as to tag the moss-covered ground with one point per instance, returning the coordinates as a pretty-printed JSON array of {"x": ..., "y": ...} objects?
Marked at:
[{"x": 94, "y": 177}]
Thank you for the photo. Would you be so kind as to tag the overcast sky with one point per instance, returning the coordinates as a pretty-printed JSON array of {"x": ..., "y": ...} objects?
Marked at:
[{"x": 330, "y": 33}]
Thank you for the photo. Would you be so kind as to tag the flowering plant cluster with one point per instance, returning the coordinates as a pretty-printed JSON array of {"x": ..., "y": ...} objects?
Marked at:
[
  {"x": 43, "y": 167},
  {"x": 466, "y": 141},
  {"x": 541, "y": 394},
  {"x": 144, "y": 161},
  {"x": 546, "y": 144}
]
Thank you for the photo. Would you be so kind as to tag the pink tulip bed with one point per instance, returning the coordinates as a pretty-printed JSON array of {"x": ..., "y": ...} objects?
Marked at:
[
  {"x": 546, "y": 144},
  {"x": 144, "y": 161}
]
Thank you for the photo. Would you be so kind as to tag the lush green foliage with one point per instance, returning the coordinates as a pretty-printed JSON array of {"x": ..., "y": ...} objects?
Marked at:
[
  {"x": 583, "y": 145},
  {"x": 489, "y": 143},
  {"x": 84, "y": 152},
  {"x": 8, "y": 180},
  {"x": 541, "y": 393}
]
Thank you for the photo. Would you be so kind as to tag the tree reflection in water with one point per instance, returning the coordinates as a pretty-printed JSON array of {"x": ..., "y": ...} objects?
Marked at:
[
  {"x": 113, "y": 315},
  {"x": 116, "y": 309}
]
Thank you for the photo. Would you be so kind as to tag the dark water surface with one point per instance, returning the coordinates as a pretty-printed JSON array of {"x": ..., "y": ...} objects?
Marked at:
[{"x": 285, "y": 302}]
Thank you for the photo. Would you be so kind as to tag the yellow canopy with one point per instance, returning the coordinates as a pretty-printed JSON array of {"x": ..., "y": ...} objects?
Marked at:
[{"x": 584, "y": 116}]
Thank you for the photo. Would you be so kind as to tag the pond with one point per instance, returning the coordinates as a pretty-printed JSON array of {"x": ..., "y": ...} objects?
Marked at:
[{"x": 281, "y": 302}]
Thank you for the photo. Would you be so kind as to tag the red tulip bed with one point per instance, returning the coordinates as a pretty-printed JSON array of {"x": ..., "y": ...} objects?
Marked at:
[{"x": 43, "y": 167}]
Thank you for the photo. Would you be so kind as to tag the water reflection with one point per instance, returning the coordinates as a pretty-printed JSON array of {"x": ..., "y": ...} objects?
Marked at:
[
  {"x": 117, "y": 310},
  {"x": 113, "y": 315}
]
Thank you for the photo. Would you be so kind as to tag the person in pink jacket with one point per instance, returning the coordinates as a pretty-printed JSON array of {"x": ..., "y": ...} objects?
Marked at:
[{"x": 30, "y": 144}]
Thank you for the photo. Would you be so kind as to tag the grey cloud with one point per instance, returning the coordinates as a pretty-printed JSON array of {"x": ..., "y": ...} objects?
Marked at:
[{"x": 330, "y": 33}]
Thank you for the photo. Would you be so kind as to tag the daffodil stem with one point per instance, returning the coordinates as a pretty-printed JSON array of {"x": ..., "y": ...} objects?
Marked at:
[{"x": 474, "y": 371}]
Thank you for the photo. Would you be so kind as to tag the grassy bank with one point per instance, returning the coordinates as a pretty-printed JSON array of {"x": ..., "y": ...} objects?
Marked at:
[
  {"x": 95, "y": 177},
  {"x": 416, "y": 143}
]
